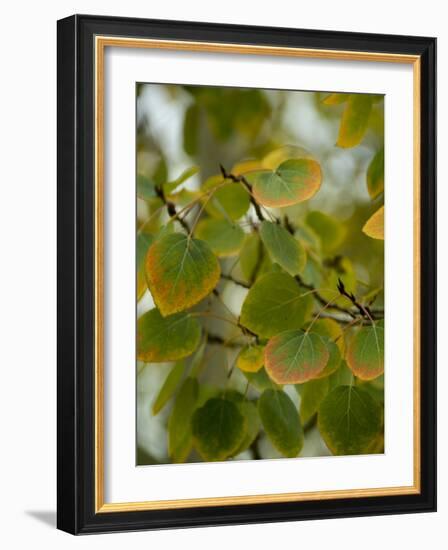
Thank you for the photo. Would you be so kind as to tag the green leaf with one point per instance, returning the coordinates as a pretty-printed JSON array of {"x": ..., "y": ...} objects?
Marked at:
[
  {"x": 218, "y": 429},
  {"x": 375, "y": 175},
  {"x": 248, "y": 165},
  {"x": 223, "y": 237},
  {"x": 274, "y": 158},
  {"x": 294, "y": 181},
  {"x": 342, "y": 377},
  {"x": 281, "y": 422},
  {"x": 330, "y": 230},
  {"x": 180, "y": 440},
  {"x": 275, "y": 303},
  {"x": 251, "y": 256},
  {"x": 283, "y": 247},
  {"x": 170, "y": 186},
  {"x": 252, "y": 421},
  {"x": 169, "y": 387},
  {"x": 161, "y": 339},
  {"x": 349, "y": 421},
  {"x": 365, "y": 351},
  {"x": 373, "y": 387},
  {"x": 312, "y": 394},
  {"x": 308, "y": 236},
  {"x": 293, "y": 357},
  {"x": 180, "y": 272},
  {"x": 145, "y": 188},
  {"x": 251, "y": 358},
  {"x": 230, "y": 200},
  {"x": 144, "y": 241},
  {"x": 260, "y": 380},
  {"x": 355, "y": 119},
  {"x": 332, "y": 330},
  {"x": 374, "y": 226},
  {"x": 329, "y": 330}
]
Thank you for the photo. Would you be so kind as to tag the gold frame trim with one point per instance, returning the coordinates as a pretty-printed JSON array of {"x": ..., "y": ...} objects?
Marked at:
[{"x": 101, "y": 42}]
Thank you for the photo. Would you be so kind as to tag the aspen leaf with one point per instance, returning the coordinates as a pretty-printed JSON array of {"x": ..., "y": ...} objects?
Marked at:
[
  {"x": 275, "y": 303},
  {"x": 223, "y": 237},
  {"x": 281, "y": 422},
  {"x": 349, "y": 421},
  {"x": 245, "y": 166},
  {"x": 294, "y": 181},
  {"x": 365, "y": 351},
  {"x": 293, "y": 357},
  {"x": 260, "y": 380},
  {"x": 229, "y": 200},
  {"x": 274, "y": 158},
  {"x": 312, "y": 394},
  {"x": 251, "y": 256},
  {"x": 161, "y": 339},
  {"x": 355, "y": 119},
  {"x": 180, "y": 272},
  {"x": 342, "y": 377},
  {"x": 218, "y": 429},
  {"x": 330, "y": 230},
  {"x": 169, "y": 387},
  {"x": 249, "y": 411},
  {"x": 374, "y": 226},
  {"x": 332, "y": 330},
  {"x": 170, "y": 186},
  {"x": 180, "y": 439},
  {"x": 251, "y": 358},
  {"x": 283, "y": 247},
  {"x": 144, "y": 241},
  {"x": 375, "y": 175}
]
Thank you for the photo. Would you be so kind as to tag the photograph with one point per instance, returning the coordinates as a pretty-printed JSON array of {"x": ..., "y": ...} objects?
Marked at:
[{"x": 259, "y": 273}]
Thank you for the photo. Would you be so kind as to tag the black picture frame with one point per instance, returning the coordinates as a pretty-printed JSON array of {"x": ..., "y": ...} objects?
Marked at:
[{"x": 76, "y": 226}]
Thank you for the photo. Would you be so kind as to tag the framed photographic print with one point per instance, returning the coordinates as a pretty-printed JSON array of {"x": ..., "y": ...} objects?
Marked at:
[{"x": 246, "y": 274}]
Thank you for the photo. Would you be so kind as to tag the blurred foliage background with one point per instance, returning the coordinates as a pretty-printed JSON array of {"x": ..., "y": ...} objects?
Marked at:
[{"x": 188, "y": 132}]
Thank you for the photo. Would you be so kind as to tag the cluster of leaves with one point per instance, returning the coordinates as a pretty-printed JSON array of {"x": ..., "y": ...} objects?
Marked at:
[{"x": 300, "y": 324}]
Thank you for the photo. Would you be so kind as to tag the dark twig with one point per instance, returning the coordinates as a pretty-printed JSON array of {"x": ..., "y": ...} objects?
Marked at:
[
  {"x": 235, "y": 281},
  {"x": 215, "y": 339},
  {"x": 321, "y": 299},
  {"x": 243, "y": 180},
  {"x": 172, "y": 212},
  {"x": 288, "y": 225},
  {"x": 363, "y": 310}
]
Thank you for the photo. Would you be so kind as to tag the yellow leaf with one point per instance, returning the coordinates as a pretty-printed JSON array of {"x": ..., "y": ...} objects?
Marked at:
[{"x": 374, "y": 227}]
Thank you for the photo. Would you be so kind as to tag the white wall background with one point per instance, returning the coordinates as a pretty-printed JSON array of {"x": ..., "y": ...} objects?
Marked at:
[{"x": 28, "y": 271}]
